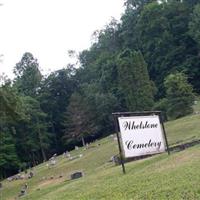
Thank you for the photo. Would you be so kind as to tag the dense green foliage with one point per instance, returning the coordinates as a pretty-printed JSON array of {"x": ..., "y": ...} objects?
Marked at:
[
  {"x": 134, "y": 81},
  {"x": 28, "y": 75},
  {"x": 179, "y": 96},
  {"x": 126, "y": 69},
  {"x": 9, "y": 115}
]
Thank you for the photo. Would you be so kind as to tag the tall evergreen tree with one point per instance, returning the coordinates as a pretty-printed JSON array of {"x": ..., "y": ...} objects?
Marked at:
[{"x": 134, "y": 81}]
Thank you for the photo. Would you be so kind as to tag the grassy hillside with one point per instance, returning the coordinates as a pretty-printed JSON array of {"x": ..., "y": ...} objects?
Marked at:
[
  {"x": 183, "y": 130},
  {"x": 161, "y": 177},
  {"x": 158, "y": 177}
]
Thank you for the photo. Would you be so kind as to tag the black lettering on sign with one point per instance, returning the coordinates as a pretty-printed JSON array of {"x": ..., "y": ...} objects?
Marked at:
[
  {"x": 131, "y": 125},
  {"x": 150, "y": 144}
]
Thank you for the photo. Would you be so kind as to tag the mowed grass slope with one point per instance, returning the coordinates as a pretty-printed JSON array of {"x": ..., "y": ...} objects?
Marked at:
[
  {"x": 159, "y": 177},
  {"x": 183, "y": 130}
]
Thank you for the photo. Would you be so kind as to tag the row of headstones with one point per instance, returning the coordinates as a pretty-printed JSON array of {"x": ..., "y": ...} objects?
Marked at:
[
  {"x": 66, "y": 154},
  {"x": 52, "y": 161},
  {"x": 21, "y": 176},
  {"x": 23, "y": 191},
  {"x": 78, "y": 174},
  {"x": 73, "y": 175}
]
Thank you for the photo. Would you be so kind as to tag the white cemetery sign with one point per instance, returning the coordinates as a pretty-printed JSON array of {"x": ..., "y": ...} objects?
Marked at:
[{"x": 141, "y": 135}]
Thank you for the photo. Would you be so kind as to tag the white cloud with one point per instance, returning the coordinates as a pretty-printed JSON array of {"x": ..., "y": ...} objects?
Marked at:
[{"x": 48, "y": 28}]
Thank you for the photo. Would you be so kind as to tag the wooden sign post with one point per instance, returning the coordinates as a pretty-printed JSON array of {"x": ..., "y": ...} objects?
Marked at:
[{"x": 140, "y": 133}]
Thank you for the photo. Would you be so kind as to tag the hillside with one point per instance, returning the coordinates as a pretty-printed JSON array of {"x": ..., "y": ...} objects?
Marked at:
[{"x": 157, "y": 177}]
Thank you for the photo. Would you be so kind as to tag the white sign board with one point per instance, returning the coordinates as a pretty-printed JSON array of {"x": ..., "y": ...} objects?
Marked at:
[{"x": 141, "y": 135}]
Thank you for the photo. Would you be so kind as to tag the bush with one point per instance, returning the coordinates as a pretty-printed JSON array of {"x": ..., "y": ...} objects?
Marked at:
[{"x": 179, "y": 96}]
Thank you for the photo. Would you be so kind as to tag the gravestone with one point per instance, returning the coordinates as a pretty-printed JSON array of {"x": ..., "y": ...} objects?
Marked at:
[
  {"x": 23, "y": 190},
  {"x": 76, "y": 175},
  {"x": 76, "y": 157},
  {"x": 30, "y": 174},
  {"x": 116, "y": 160},
  {"x": 67, "y": 154},
  {"x": 76, "y": 147},
  {"x": 54, "y": 155},
  {"x": 52, "y": 161}
]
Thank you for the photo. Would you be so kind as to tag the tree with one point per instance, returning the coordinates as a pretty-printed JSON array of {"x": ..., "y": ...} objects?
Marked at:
[
  {"x": 107, "y": 39},
  {"x": 54, "y": 96},
  {"x": 191, "y": 3},
  {"x": 9, "y": 114},
  {"x": 9, "y": 161},
  {"x": 179, "y": 95},
  {"x": 28, "y": 75},
  {"x": 162, "y": 31},
  {"x": 100, "y": 105},
  {"x": 78, "y": 124},
  {"x": 194, "y": 31},
  {"x": 32, "y": 137},
  {"x": 194, "y": 25},
  {"x": 137, "y": 4},
  {"x": 134, "y": 81}
]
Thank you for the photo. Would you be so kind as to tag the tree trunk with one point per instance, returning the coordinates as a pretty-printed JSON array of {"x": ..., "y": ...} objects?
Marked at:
[
  {"x": 43, "y": 155},
  {"x": 55, "y": 135},
  {"x": 83, "y": 141},
  {"x": 41, "y": 148},
  {"x": 33, "y": 159}
]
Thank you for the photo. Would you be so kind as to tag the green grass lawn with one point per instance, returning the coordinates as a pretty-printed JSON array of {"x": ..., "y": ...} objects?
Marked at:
[
  {"x": 158, "y": 177},
  {"x": 183, "y": 130}
]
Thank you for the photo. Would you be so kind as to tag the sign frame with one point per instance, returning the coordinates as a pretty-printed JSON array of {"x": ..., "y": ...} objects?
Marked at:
[{"x": 129, "y": 114}]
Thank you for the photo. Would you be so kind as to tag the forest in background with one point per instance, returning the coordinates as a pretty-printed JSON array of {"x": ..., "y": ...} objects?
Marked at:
[{"x": 150, "y": 60}]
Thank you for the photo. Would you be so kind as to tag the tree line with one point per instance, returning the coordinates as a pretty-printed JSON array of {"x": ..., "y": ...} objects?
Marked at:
[{"x": 147, "y": 61}]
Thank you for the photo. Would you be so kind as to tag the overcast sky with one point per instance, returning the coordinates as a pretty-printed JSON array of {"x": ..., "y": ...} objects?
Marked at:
[{"x": 49, "y": 28}]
